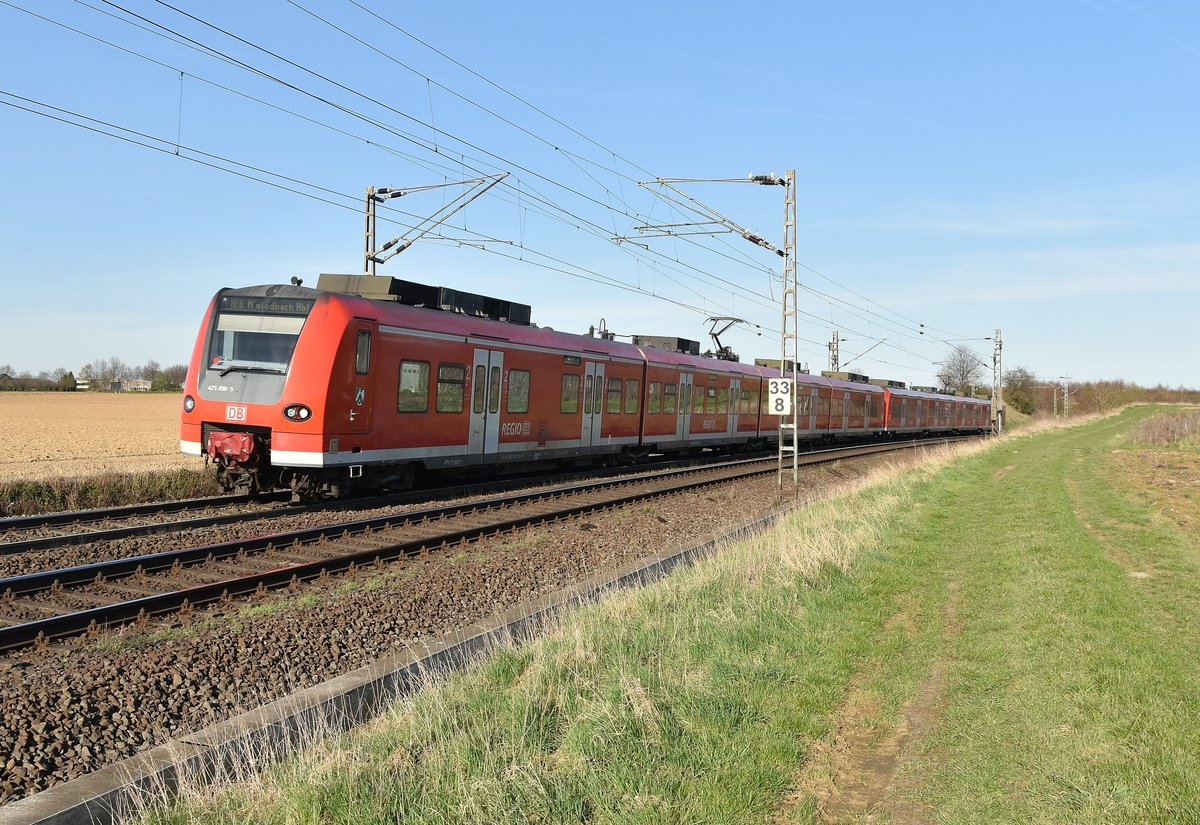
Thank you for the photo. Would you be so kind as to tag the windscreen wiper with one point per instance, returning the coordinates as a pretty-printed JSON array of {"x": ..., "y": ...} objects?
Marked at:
[{"x": 241, "y": 368}]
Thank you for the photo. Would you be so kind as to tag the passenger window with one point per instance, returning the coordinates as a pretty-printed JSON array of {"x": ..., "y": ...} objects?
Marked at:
[
  {"x": 654, "y": 398},
  {"x": 569, "y": 400},
  {"x": 362, "y": 355},
  {"x": 752, "y": 407},
  {"x": 413, "y": 395},
  {"x": 614, "y": 396},
  {"x": 450, "y": 394},
  {"x": 587, "y": 394},
  {"x": 710, "y": 406},
  {"x": 722, "y": 401},
  {"x": 698, "y": 399},
  {"x": 685, "y": 397},
  {"x": 632, "y": 385},
  {"x": 518, "y": 391},
  {"x": 669, "y": 392},
  {"x": 480, "y": 389},
  {"x": 494, "y": 392},
  {"x": 598, "y": 399}
]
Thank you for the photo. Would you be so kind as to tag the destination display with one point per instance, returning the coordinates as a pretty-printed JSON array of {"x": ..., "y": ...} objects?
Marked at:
[{"x": 262, "y": 305}]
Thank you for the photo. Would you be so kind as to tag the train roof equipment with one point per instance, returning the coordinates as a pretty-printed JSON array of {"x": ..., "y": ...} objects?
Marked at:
[
  {"x": 669, "y": 343},
  {"x": 410, "y": 293}
]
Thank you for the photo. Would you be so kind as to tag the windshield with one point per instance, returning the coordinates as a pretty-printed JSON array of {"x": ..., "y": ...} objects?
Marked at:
[{"x": 256, "y": 340}]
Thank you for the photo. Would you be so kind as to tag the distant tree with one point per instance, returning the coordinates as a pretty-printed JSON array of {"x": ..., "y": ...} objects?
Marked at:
[
  {"x": 174, "y": 375},
  {"x": 150, "y": 371},
  {"x": 66, "y": 381},
  {"x": 1019, "y": 384},
  {"x": 961, "y": 371}
]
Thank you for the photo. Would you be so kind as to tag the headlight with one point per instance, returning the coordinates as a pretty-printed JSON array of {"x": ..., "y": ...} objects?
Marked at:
[
  {"x": 189, "y": 403},
  {"x": 297, "y": 412}
]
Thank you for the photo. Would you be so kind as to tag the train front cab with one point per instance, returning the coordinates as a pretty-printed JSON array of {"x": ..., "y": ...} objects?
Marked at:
[{"x": 238, "y": 393}]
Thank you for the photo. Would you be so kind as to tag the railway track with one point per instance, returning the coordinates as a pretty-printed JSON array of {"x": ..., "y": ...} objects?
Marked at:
[
  {"x": 45, "y": 531},
  {"x": 24, "y": 534},
  {"x": 38, "y": 607}
]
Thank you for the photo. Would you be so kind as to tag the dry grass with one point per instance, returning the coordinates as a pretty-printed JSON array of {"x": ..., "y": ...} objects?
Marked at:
[
  {"x": 1180, "y": 428},
  {"x": 57, "y": 435}
]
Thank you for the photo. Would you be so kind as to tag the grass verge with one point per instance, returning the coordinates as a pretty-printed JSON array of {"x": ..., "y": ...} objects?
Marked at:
[
  {"x": 993, "y": 596},
  {"x": 25, "y": 498}
]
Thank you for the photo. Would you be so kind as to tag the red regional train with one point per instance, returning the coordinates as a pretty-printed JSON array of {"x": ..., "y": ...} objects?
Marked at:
[{"x": 368, "y": 381}]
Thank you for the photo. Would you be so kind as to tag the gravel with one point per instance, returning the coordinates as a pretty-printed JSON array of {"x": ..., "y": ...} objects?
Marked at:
[{"x": 73, "y": 708}]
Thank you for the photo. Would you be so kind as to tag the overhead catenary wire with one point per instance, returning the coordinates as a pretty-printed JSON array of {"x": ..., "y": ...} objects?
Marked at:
[
  {"x": 583, "y": 223},
  {"x": 528, "y": 198}
]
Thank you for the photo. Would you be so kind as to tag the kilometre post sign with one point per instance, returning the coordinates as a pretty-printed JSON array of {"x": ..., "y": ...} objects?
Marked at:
[{"x": 779, "y": 396}]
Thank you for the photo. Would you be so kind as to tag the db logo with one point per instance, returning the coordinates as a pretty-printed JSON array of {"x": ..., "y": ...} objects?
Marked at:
[{"x": 235, "y": 412}]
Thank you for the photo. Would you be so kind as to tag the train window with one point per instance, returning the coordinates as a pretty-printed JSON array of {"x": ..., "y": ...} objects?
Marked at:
[
  {"x": 653, "y": 397},
  {"x": 413, "y": 395},
  {"x": 669, "y": 392},
  {"x": 362, "y": 355},
  {"x": 450, "y": 394},
  {"x": 752, "y": 406},
  {"x": 494, "y": 391},
  {"x": 480, "y": 389},
  {"x": 518, "y": 391},
  {"x": 710, "y": 404},
  {"x": 722, "y": 401},
  {"x": 632, "y": 387},
  {"x": 698, "y": 393},
  {"x": 587, "y": 394},
  {"x": 614, "y": 396},
  {"x": 685, "y": 397},
  {"x": 823, "y": 405},
  {"x": 744, "y": 407},
  {"x": 568, "y": 403}
]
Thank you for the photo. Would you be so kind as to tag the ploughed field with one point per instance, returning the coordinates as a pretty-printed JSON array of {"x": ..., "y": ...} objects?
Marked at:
[{"x": 51, "y": 435}]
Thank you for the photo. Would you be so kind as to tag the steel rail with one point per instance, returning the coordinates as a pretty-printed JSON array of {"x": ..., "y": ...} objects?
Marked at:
[
  {"x": 127, "y": 511},
  {"x": 27, "y": 633},
  {"x": 157, "y": 528}
]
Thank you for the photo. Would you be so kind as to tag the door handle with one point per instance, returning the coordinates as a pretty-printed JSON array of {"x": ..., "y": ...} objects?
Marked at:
[{"x": 353, "y": 415}]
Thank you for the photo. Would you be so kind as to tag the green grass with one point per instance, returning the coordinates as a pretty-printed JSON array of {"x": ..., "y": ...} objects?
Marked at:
[
  {"x": 1070, "y": 690},
  {"x": 1075, "y": 684}
]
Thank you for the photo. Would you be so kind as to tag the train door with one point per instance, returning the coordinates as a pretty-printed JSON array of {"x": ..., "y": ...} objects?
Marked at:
[
  {"x": 683, "y": 420},
  {"x": 593, "y": 404},
  {"x": 808, "y": 408},
  {"x": 358, "y": 397},
  {"x": 735, "y": 399},
  {"x": 486, "y": 375},
  {"x": 847, "y": 400}
]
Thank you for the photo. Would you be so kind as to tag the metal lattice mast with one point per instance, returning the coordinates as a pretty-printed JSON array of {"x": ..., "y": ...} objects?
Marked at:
[
  {"x": 789, "y": 340},
  {"x": 834, "y": 357},
  {"x": 997, "y": 382}
]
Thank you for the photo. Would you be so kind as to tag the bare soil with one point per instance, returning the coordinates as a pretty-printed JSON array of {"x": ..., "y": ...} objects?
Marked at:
[{"x": 48, "y": 435}]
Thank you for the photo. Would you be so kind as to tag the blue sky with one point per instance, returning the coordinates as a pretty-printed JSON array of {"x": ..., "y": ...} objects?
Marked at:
[{"x": 966, "y": 166}]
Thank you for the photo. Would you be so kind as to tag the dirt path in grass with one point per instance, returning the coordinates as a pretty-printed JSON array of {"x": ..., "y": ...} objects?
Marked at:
[{"x": 859, "y": 773}]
